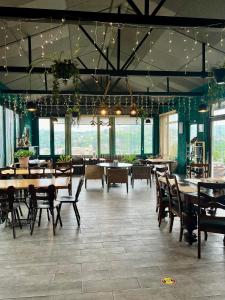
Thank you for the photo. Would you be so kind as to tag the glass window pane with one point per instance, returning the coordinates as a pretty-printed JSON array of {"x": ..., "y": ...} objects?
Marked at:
[
  {"x": 1, "y": 139},
  {"x": 173, "y": 118},
  {"x": 173, "y": 140},
  {"x": 17, "y": 126},
  {"x": 84, "y": 138},
  {"x": 128, "y": 136},
  {"x": 44, "y": 136},
  {"x": 218, "y": 148},
  {"x": 59, "y": 136},
  {"x": 104, "y": 136},
  {"x": 9, "y": 124},
  {"x": 193, "y": 131},
  {"x": 148, "y": 131}
]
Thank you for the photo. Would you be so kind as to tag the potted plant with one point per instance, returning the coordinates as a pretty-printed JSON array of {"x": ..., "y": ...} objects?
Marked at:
[
  {"x": 142, "y": 113},
  {"x": 23, "y": 157},
  {"x": 74, "y": 111},
  {"x": 64, "y": 158}
]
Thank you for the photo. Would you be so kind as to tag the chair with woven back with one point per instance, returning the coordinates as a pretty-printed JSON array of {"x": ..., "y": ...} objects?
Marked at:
[
  {"x": 93, "y": 172},
  {"x": 115, "y": 175},
  {"x": 162, "y": 200},
  {"x": 141, "y": 172},
  {"x": 175, "y": 203},
  {"x": 43, "y": 199},
  {"x": 210, "y": 195},
  {"x": 65, "y": 169}
]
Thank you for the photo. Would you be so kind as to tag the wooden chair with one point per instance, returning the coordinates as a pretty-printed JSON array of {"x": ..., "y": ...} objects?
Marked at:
[
  {"x": 141, "y": 172},
  {"x": 162, "y": 200},
  {"x": 93, "y": 172},
  {"x": 73, "y": 201},
  {"x": 12, "y": 206},
  {"x": 210, "y": 195},
  {"x": 199, "y": 170},
  {"x": 64, "y": 169},
  {"x": 117, "y": 176},
  {"x": 175, "y": 203},
  {"x": 78, "y": 165},
  {"x": 43, "y": 199}
]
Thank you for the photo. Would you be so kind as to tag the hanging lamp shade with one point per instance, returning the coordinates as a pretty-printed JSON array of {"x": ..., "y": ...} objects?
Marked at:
[
  {"x": 103, "y": 109},
  {"x": 133, "y": 110},
  {"x": 148, "y": 121},
  {"x": 31, "y": 106},
  {"x": 118, "y": 110},
  {"x": 54, "y": 119},
  {"x": 203, "y": 107}
]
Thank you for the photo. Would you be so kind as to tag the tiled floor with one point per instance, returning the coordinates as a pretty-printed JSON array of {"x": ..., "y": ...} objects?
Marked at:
[{"x": 119, "y": 253}]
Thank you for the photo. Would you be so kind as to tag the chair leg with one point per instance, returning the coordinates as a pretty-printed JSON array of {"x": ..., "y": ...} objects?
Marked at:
[
  {"x": 58, "y": 217},
  {"x": 171, "y": 222},
  {"x": 34, "y": 215},
  {"x": 76, "y": 213},
  {"x": 199, "y": 243},
  {"x": 21, "y": 213},
  {"x": 107, "y": 187},
  {"x": 39, "y": 220},
  {"x": 48, "y": 215},
  {"x": 206, "y": 235},
  {"x": 127, "y": 187},
  {"x": 132, "y": 183},
  {"x": 103, "y": 183},
  {"x": 53, "y": 221},
  {"x": 13, "y": 224},
  {"x": 85, "y": 183},
  {"x": 181, "y": 233},
  {"x": 18, "y": 217}
]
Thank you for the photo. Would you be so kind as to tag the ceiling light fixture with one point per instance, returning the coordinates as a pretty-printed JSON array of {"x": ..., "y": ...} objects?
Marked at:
[
  {"x": 133, "y": 110},
  {"x": 31, "y": 106},
  {"x": 203, "y": 107},
  {"x": 118, "y": 110}
]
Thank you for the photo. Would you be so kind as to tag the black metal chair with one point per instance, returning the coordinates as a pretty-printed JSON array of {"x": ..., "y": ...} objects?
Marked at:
[
  {"x": 210, "y": 196},
  {"x": 73, "y": 201},
  {"x": 64, "y": 169},
  {"x": 42, "y": 198},
  {"x": 162, "y": 200}
]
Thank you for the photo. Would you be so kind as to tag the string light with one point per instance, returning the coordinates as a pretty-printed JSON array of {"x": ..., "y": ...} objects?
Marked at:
[{"x": 170, "y": 41}]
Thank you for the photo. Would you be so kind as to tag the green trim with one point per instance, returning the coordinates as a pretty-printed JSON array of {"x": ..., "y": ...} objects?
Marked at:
[{"x": 68, "y": 143}]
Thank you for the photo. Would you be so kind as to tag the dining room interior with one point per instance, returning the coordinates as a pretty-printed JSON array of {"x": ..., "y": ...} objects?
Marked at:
[{"x": 112, "y": 149}]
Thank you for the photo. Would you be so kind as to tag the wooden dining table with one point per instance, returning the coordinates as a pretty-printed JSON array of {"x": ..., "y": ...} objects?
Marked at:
[
  {"x": 25, "y": 171},
  {"x": 22, "y": 184}
]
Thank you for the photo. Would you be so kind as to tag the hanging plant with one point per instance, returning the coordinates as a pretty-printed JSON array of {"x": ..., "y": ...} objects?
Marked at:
[
  {"x": 215, "y": 92},
  {"x": 142, "y": 113},
  {"x": 74, "y": 111}
]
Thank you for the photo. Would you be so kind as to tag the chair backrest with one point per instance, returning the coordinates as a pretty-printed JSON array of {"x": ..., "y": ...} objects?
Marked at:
[
  {"x": 92, "y": 161},
  {"x": 79, "y": 187},
  {"x": 200, "y": 169},
  {"x": 63, "y": 169},
  {"x": 158, "y": 187},
  {"x": 162, "y": 171},
  {"x": 141, "y": 172},
  {"x": 46, "y": 194},
  {"x": 93, "y": 172},
  {"x": 117, "y": 175},
  {"x": 77, "y": 160},
  {"x": 36, "y": 172},
  {"x": 11, "y": 197},
  {"x": 174, "y": 193},
  {"x": 211, "y": 195}
]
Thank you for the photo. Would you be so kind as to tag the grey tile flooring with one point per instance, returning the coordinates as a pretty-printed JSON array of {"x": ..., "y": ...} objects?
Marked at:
[{"x": 118, "y": 253}]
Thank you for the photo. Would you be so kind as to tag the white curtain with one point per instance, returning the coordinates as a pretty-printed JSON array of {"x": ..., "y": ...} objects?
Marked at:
[{"x": 9, "y": 124}]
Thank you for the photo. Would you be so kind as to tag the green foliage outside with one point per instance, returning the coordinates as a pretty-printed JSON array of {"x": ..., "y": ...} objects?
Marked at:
[{"x": 64, "y": 158}]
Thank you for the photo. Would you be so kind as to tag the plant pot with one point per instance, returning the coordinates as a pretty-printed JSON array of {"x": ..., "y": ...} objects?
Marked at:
[
  {"x": 24, "y": 162},
  {"x": 219, "y": 75}
]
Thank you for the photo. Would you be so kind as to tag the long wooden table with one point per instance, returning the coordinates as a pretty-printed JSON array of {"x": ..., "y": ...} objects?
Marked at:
[
  {"x": 20, "y": 184},
  {"x": 24, "y": 172}
]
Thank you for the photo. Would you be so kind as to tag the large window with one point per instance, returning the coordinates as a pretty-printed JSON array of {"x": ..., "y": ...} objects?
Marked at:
[
  {"x": 9, "y": 131},
  {"x": 128, "y": 135},
  {"x": 148, "y": 133},
  {"x": 59, "y": 136},
  {"x": 44, "y": 136},
  {"x": 84, "y": 138},
  {"x": 169, "y": 135},
  {"x": 104, "y": 136},
  {"x": 1, "y": 139}
]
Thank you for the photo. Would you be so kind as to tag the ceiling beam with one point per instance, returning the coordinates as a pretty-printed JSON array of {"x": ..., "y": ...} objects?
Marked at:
[
  {"x": 114, "y": 73},
  {"x": 101, "y": 93},
  {"x": 134, "y": 7},
  {"x": 71, "y": 17}
]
